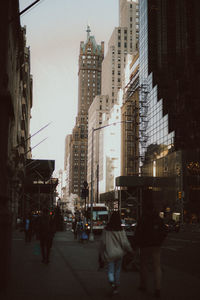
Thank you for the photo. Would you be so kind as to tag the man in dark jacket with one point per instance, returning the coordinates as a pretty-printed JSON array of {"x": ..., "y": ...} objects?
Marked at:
[
  {"x": 149, "y": 236},
  {"x": 46, "y": 231}
]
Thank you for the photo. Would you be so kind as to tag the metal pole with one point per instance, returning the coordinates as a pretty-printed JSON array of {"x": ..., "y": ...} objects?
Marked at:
[
  {"x": 91, "y": 235},
  {"x": 28, "y": 7},
  {"x": 181, "y": 189},
  {"x": 97, "y": 184},
  {"x": 120, "y": 202},
  {"x": 24, "y": 10}
]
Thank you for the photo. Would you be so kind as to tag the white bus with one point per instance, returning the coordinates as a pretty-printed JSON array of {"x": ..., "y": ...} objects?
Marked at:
[{"x": 100, "y": 216}]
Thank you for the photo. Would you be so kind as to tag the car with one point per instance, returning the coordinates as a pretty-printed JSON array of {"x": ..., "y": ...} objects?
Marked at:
[{"x": 129, "y": 227}]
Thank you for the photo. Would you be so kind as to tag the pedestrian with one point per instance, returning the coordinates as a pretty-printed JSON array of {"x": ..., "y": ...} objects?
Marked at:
[
  {"x": 114, "y": 244},
  {"x": 74, "y": 228},
  {"x": 149, "y": 236},
  {"x": 27, "y": 225},
  {"x": 79, "y": 229},
  {"x": 46, "y": 231}
]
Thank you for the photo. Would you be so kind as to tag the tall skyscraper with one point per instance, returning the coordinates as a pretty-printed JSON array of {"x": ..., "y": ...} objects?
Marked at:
[
  {"x": 169, "y": 119},
  {"x": 89, "y": 85},
  {"x": 123, "y": 41}
]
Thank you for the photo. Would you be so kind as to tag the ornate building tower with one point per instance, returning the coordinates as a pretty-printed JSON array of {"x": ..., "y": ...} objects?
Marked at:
[{"x": 89, "y": 85}]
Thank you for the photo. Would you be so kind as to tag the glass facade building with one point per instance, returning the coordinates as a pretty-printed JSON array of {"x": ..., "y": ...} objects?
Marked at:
[{"x": 169, "y": 134}]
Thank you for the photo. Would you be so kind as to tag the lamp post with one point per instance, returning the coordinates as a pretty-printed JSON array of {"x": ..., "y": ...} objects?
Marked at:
[{"x": 91, "y": 235}]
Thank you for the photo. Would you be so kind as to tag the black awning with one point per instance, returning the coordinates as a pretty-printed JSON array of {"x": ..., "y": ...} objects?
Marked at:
[
  {"x": 39, "y": 169},
  {"x": 35, "y": 188},
  {"x": 144, "y": 181}
]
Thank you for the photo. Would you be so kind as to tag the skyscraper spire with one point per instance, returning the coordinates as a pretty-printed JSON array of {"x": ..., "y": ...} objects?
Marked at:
[{"x": 88, "y": 31}]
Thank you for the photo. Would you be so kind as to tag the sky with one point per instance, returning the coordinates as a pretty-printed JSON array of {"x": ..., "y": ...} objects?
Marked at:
[{"x": 54, "y": 30}]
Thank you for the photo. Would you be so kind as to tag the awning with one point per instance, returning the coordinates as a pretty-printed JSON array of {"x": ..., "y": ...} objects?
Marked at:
[
  {"x": 38, "y": 176},
  {"x": 144, "y": 181},
  {"x": 39, "y": 169}
]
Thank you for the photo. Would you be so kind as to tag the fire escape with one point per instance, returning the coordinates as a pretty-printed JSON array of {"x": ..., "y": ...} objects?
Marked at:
[
  {"x": 140, "y": 119},
  {"x": 143, "y": 120}
]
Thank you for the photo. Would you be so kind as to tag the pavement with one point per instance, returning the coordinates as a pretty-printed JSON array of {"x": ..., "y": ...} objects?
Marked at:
[{"x": 73, "y": 274}]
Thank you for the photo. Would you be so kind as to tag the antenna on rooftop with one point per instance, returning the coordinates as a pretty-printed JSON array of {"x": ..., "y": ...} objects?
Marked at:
[{"x": 88, "y": 31}]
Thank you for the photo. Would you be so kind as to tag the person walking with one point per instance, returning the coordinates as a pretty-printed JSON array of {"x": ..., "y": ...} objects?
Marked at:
[
  {"x": 79, "y": 229},
  {"x": 27, "y": 224},
  {"x": 74, "y": 228},
  {"x": 149, "y": 236},
  {"x": 46, "y": 231},
  {"x": 114, "y": 244}
]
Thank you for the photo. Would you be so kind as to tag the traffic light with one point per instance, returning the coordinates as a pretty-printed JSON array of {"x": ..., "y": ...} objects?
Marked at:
[{"x": 179, "y": 195}]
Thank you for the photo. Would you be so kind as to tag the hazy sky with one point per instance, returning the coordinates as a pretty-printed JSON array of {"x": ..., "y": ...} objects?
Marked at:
[{"x": 54, "y": 31}]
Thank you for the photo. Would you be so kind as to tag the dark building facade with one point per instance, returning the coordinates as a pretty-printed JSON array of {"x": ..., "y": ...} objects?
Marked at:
[
  {"x": 15, "y": 107},
  {"x": 170, "y": 74}
]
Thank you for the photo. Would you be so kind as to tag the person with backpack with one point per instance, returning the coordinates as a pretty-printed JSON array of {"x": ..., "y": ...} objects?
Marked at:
[
  {"x": 46, "y": 231},
  {"x": 114, "y": 244},
  {"x": 149, "y": 236}
]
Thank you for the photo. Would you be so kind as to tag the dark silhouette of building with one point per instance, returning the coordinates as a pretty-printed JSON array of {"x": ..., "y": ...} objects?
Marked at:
[
  {"x": 16, "y": 103},
  {"x": 170, "y": 74}
]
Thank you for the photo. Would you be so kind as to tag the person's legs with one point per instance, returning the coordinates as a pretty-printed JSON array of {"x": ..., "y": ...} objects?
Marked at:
[
  {"x": 144, "y": 255},
  {"x": 42, "y": 247},
  {"x": 48, "y": 248},
  {"x": 111, "y": 272},
  {"x": 156, "y": 251},
  {"x": 117, "y": 266}
]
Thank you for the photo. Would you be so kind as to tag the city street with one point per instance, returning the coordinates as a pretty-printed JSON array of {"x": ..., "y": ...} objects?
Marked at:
[
  {"x": 181, "y": 252},
  {"x": 73, "y": 271}
]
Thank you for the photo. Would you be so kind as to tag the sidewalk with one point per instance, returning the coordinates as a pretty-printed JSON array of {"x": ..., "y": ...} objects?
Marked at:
[{"x": 73, "y": 274}]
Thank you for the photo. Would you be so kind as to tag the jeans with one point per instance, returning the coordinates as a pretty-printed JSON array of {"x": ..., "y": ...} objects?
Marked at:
[{"x": 114, "y": 268}]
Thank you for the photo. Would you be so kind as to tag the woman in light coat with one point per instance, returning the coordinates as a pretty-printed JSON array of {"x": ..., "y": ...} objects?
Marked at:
[{"x": 114, "y": 245}]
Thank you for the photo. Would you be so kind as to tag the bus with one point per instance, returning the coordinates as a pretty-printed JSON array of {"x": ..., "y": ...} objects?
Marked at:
[{"x": 100, "y": 216}]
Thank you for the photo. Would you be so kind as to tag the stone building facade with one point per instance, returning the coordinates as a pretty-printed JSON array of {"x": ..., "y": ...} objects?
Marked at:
[{"x": 16, "y": 102}]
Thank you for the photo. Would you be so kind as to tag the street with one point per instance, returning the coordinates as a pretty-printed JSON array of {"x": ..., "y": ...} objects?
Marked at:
[
  {"x": 73, "y": 271},
  {"x": 181, "y": 251}
]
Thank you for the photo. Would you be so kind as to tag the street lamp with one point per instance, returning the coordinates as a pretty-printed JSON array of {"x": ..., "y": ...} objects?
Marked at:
[{"x": 91, "y": 235}]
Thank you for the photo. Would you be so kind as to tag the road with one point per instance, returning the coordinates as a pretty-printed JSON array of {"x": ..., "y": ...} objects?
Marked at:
[{"x": 181, "y": 251}]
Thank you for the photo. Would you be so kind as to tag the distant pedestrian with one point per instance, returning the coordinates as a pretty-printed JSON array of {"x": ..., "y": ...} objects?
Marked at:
[
  {"x": 27, "y": 225},
  {"x": 46, "y": 231},
  {"x": 149, "y": 236},
  {"x": 114, "y": 245},
  {"x": 74, "y": 228},
  {"x": 79, "y": 229}
]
